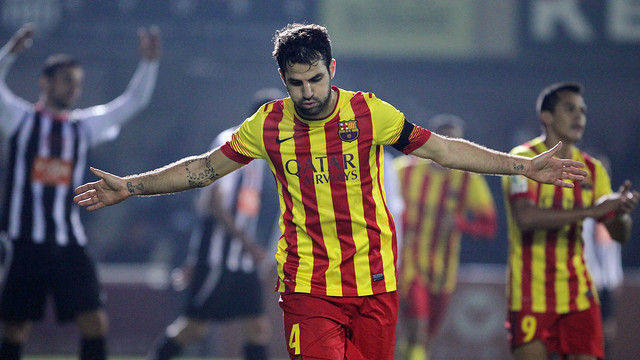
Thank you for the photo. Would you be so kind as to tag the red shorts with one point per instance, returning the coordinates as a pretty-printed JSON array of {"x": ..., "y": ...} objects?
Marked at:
[
  {"x": 572, "y": 333},
  {"x": 329, "y": 327},
  {"x": 422, "y": 304}
]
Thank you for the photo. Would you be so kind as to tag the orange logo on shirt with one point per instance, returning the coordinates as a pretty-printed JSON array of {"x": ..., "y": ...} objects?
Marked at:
[{"x": 51, "y": 171}]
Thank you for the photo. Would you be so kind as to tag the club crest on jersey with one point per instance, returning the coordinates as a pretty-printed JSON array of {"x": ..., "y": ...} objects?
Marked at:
[{"x": 348, "y": 130}]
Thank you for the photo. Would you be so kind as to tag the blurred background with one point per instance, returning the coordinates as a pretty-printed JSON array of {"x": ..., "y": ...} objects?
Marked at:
[{"x": 483, "y": 60}]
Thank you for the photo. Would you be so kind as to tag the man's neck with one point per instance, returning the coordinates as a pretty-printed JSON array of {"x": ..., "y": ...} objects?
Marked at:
[{"x": 567, "y": 147}]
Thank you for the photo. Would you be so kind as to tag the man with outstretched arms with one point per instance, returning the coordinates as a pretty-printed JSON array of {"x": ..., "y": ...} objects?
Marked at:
[{"x": 324, "y": 145}]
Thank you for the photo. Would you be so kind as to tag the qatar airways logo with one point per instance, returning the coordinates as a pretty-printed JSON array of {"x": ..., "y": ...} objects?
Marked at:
[{"x": 323, "y": 169}]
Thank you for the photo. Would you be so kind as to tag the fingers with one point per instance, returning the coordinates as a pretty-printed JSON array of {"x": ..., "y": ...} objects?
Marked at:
[
  {"x": 88, "y": 199},
  {"x": 556, "y": 148},
  {"x": 149, "y": 42},
  {"x": 22, "y": 38},
  {"x": 573, "y": 164},
  {"x": 626, "y": 186},
  {"x": 564, "y": 184}
]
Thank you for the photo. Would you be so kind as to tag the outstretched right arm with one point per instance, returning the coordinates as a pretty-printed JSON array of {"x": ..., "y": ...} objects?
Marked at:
[{"x": 189, "y": 173}]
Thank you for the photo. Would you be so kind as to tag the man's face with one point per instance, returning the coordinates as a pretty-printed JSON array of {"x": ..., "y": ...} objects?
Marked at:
[
  {"x": 63, "y": 89},
  {"x": 569, "y": 119},
  {"x": 310, "y": 88}
]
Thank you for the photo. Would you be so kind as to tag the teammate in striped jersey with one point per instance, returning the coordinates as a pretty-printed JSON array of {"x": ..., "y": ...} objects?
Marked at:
[
  {"x": 46, "y": 145},
  {"x": 442, "y": 204},
  {"x": 324, "y": 145},
  {"x": 552, "y": 300}
]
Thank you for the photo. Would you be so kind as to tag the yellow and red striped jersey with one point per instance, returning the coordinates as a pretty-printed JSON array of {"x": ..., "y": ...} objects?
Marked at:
[
  {"x": 546, "y": 268},
  {"x": 438, "y": 202},
  {"x": 338, "y": 236}
]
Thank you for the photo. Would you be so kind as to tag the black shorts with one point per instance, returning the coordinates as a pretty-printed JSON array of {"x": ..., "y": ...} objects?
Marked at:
[
  {"x": 33, "y": 271},
  {"x": 223, "y": 295}
]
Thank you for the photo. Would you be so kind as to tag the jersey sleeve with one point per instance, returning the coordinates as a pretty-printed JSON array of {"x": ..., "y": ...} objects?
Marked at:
[
  {"x": 246, "y": 142},
  {"x": 391, "y": 127}
]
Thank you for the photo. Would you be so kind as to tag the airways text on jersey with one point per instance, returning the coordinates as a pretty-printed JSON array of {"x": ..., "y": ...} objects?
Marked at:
[{"x": 323, "y": 169}]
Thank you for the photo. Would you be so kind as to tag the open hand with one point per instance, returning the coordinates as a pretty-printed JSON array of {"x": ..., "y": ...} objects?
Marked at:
[
  {"x": 547, "y": 169},
  {"x": 109, "y": 190},
  {"x": 22, "y": 39}
]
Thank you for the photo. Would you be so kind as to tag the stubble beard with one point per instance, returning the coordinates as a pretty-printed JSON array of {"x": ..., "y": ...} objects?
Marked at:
[{"x": 318, "y": 109}]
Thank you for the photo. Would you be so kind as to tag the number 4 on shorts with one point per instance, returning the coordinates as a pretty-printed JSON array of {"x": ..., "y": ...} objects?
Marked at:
[{"x": 294, "y": 338}]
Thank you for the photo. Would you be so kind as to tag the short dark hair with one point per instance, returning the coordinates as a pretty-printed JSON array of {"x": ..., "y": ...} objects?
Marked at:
[
  {"x": 548, "y": 98},
  {"x": 301, "y": 44},
  {"x": 58, "y": 61}
]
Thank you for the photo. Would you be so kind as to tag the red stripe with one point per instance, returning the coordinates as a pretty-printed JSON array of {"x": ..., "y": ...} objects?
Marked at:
[
  {"x": 365, "y": 143},
  {"x": 270, "y": 134},
  {"x": 423, "y": 204},
  {"x": 527, "y": 262},
  {"x": 306, "y": 176},
  {"x": 591, "y": 165},
  {"x": 579, "y": 203},
  {"x": 392, "y": 224},
  {"x": 450, "y": 251},
  {"x": 436, "y": 235},
  {"x": 550, "y": 254},
  {"x": 572, "y": 237},
  {"x": 336, "y": 169},
  {"x": 526, "y": 273}
]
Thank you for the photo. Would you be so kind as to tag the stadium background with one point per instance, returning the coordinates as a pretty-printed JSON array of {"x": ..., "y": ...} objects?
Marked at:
[{"x": 484, "y": 60}]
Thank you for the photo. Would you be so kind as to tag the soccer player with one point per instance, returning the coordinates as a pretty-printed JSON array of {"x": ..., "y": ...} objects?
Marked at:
[
  {"x": 441, "y": 205},
  {"x": 552, "y": 299},
  {"x": 324, "y": 145},
  {"x": 47, "y": 146},
  {"x": 223, "y": 261}
]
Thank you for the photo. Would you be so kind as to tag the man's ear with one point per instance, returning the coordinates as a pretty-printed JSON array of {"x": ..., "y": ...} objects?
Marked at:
[
  {"x": 546, "y": 117},
  {"x": 282, "y": 76},
  {"x": 332, "y": 68}
]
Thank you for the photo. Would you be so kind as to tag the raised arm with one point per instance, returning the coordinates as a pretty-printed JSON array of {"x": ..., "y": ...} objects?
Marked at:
[
  {"x": 12, "y": 108},
  {"x": 189, "y": 173},
  {"x": 465, "y": 155},
  {"x": 137, "y": 96}
]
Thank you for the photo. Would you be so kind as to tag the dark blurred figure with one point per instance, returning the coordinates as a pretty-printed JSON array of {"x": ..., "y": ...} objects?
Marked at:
[
  {"x": 221, "y": 270},
  {"x": 47, "y": 148}
]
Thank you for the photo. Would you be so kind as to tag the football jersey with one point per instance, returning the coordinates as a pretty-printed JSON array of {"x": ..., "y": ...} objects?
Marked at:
[
  {"x": 434, "y": 197},
  {"x": 546, "y": 268},
  {"x": 338, "y": 236}
]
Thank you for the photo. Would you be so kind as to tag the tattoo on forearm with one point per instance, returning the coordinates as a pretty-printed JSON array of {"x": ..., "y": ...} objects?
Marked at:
[
  {"x": 132, "y": 188},
  {"x": 518, "y": 167},
  {"x": 203, "y": 178}
]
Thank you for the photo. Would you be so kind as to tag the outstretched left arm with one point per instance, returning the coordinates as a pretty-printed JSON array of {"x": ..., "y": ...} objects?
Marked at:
[{"x": 465, "y": 155}]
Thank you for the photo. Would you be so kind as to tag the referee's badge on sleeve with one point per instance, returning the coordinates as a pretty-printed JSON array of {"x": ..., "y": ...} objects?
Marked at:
[{"x": 519, "y": 184}]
